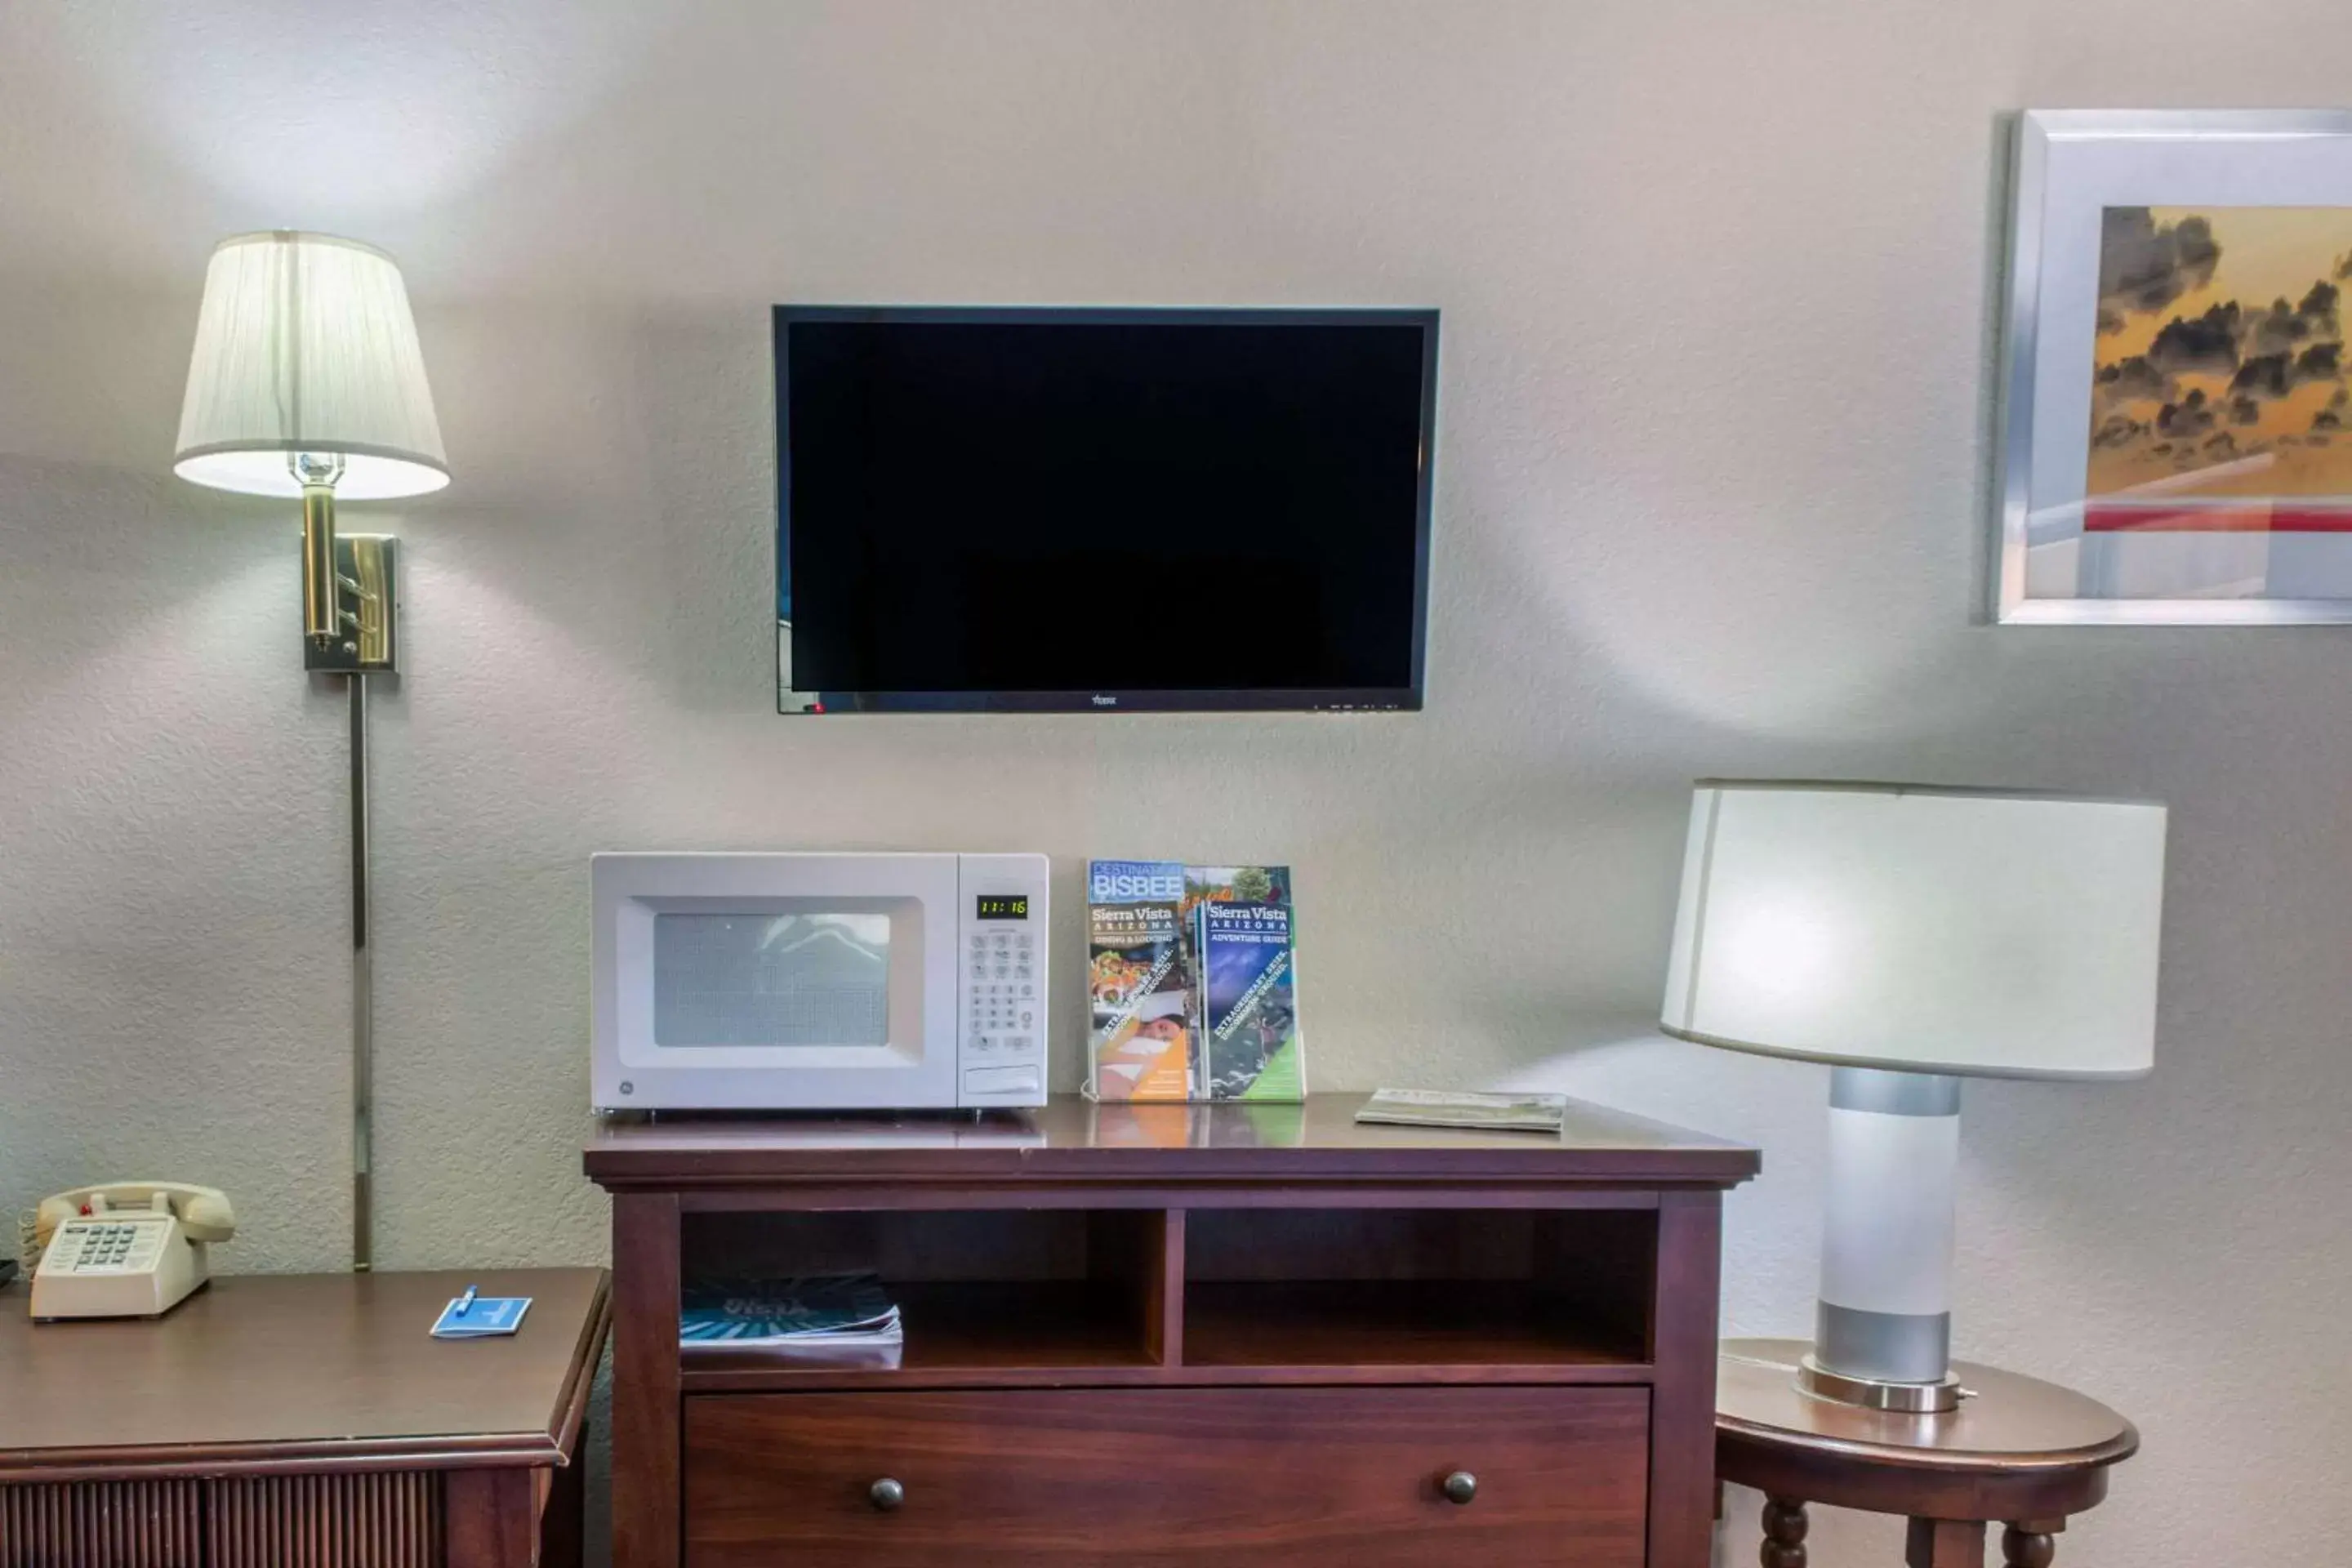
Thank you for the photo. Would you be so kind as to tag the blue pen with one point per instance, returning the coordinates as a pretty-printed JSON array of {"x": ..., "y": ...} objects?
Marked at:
[{"x": 467, "y": 1300}]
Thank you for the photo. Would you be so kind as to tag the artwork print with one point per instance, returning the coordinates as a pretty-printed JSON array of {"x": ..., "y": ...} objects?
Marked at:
[
  {"x": 2175, "y": 426},
  {"x": 2220, "y": 460}
]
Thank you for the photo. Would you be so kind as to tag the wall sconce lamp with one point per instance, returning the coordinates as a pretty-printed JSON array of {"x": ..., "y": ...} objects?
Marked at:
[{"x": 306, "y": 382}]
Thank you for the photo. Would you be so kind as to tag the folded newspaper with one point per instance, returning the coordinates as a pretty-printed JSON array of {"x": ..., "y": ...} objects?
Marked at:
[
  {"x": 811, "y": 1311},
  {"x": 1494, "y": 1113}
]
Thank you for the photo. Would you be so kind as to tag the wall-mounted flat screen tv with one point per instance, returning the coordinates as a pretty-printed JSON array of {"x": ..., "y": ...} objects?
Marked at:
[{"x": 1102, "y": 510}]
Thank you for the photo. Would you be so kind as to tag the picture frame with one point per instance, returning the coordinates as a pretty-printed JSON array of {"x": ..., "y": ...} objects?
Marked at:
[{"x": 2175, "y": 431}]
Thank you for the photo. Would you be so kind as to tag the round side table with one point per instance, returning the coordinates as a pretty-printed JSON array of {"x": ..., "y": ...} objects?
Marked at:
[{"x": 2020, "y": 1452}]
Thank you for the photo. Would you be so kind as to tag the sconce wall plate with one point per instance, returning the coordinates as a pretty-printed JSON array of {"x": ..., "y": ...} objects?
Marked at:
[{"x": 368, "y": 599}]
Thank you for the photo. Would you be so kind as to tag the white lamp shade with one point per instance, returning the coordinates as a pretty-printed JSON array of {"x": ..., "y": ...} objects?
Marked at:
[
  {"x": 305, "y": 343},
  {"x": 1962, "y": 931}
]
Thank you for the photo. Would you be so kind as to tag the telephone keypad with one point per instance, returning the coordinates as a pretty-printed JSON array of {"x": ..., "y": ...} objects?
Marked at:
[{"x": 99, "y": 1247}]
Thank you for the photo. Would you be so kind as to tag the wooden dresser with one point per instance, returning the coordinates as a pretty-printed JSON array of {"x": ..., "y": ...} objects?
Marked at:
[
  {"x": 1241, "y": 1335},
  {"x": 300, "y": 1421}
]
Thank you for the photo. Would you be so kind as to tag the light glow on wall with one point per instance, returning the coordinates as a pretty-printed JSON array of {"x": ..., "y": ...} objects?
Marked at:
[{"x": 334, "y": 116}]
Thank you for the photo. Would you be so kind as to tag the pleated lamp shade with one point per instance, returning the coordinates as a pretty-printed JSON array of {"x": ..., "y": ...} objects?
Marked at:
[{"x": 305, "y": 343}]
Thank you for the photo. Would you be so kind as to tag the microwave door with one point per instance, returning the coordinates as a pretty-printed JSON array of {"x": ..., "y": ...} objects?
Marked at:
[{"x": 831, "y": 996}]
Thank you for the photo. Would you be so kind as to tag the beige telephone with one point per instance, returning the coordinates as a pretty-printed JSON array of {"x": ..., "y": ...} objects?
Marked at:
[{"x": 127, "y": 1249}]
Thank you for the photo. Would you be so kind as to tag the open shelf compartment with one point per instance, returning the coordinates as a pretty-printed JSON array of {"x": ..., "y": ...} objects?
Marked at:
[
  {"x": 1544, "y": 1292},
  {"x": 1105, "y": 1296},
  {"x": 985, "y": 1296}
]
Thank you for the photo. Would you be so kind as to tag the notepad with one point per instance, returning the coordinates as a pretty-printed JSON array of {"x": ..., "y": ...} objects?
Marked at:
[{"x": 484, "y": 1317}]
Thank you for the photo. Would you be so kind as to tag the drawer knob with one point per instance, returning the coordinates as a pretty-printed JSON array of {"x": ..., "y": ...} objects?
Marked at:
[
  {"x": 886, "y": 1495},
  {"x": 1460, "y": 1487}
]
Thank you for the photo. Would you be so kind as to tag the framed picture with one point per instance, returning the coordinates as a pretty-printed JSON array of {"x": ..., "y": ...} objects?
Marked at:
[{"x": 2175, "y": 430}]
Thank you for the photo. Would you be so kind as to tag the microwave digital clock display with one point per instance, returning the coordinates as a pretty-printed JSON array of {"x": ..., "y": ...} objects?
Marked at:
[{"x": 1003, "y": 907}]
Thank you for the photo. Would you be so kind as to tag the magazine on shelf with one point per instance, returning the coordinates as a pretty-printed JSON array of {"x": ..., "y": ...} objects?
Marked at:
[
  {"x": 808, "y": 1312},
  {"x": 1250, "y": 1047},
  {"x": 1139, "y": 1007},
  {"x": 1495, "y": 1112}
]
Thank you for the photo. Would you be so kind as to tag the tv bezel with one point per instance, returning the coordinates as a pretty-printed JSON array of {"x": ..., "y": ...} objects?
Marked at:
[{"x": 1315, "y": 699}]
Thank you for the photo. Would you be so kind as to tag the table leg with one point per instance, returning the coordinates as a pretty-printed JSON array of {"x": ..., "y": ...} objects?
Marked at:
[
  {"x": 562, "y": 1517},
  {"x": 1946, "y": 1543},
  {"x": 2031, "y": 1542},
  {"x": 490, "y": 1518},
  {"x": 1784, "y": 1534}
]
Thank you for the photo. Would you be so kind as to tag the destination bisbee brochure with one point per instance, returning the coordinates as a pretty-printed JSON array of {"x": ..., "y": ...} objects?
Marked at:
[{"x": 1138, "y": 982}]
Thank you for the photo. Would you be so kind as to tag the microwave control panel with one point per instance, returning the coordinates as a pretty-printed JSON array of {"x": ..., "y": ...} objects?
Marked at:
[{"x": 1002, "y": 945}]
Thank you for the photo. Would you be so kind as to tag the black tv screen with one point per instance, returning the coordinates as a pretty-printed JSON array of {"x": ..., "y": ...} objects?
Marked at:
[{"x": 1102, "y": 510}]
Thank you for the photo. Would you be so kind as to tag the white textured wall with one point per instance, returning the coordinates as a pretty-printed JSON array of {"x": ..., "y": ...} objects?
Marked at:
[{"x": 1715, "y": 283}]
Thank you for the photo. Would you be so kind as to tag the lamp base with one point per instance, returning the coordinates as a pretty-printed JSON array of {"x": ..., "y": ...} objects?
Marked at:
[
  {"x": 367, "y": 606},
  {"x": 1870, "y": 1394}
]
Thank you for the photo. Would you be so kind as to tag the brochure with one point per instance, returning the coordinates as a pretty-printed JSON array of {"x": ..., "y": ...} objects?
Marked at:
[
  {"x": 1494, "y": 1113},
  {"x": 1149, "y": 981},
  {"x": 1249, "y": 1039},
  {"x": 1233, "y": 885},
  {"x": 1138, "y": 982}
]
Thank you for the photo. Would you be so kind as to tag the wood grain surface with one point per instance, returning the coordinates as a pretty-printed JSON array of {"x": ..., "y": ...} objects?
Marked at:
[
  {"x": 1070, "y": 1140},
  {"x": 2018, "y": 1449},
  {"x": 102, "y": 1524},
  {"x": 1231, "y": 1334},
  {"x": 2011, "y": 1422},
  {"x": 646, "y": 1276},
  {"x": 1683, "y": 1399},
  {"x": 369, "y": 1519},
  {"x": 1245, "y": 1479},
  {"x": 300, "y": 1371}
]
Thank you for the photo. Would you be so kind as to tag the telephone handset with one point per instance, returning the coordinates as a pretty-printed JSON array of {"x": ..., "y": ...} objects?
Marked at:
[{"x": 125, "y": 1249}]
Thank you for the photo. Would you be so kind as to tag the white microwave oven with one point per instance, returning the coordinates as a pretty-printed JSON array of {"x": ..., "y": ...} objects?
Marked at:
[{"x": 819, "y": 982}]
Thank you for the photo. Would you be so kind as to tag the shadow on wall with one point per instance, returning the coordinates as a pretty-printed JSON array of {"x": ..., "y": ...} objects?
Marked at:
[
  {"x": 615, "y": 482},
  {"x": 705, "y": 385},
  {"x": 132, "y": 542},
  {"x": 158, "y": 742}
]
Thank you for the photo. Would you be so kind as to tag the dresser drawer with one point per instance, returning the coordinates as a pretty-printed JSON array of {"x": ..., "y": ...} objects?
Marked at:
[{"x": 1248, "y": 1477}]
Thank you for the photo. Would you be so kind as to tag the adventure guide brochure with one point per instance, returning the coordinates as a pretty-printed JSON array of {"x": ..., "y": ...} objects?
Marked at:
[{"x": 1249, "y": 1035}]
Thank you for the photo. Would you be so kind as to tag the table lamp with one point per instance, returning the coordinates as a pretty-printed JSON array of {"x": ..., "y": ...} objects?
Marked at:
[
  {"x": 307, "y": 381},
  {"x": 1911, "y": 937}
]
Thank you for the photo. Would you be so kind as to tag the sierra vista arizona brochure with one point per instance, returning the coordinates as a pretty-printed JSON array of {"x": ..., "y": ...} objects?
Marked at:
[
  {"x": 1249, "y": 1011},
  {"x": 1138, "y": 982}
]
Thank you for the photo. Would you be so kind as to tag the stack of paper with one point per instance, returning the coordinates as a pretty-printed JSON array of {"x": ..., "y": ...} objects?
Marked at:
[{"x": 1492, "y": 1112}]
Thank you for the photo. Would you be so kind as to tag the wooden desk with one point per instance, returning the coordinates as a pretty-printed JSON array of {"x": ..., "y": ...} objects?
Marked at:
[
  {"x": 289, "y": 1420},
  {"x": 2021, "y": 1452},
  {"x": 1249, "y": 1336}
]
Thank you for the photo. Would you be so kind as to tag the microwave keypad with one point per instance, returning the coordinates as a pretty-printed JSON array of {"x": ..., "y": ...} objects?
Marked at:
[{"x": 1002, "y": 975}]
